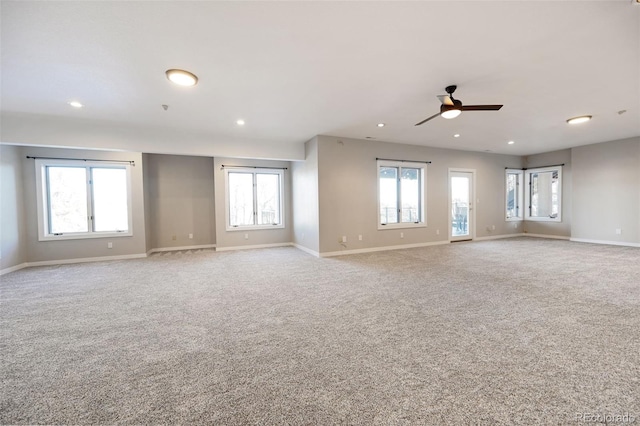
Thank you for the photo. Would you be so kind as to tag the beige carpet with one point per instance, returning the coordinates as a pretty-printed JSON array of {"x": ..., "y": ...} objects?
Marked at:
[{"x": 517, "y": 331}]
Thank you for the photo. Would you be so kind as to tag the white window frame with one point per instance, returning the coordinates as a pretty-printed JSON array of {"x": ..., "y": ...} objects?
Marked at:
[
  {"x": 423, "y": 194},
  {"x": 519, "y": 195},
  {"x": 254, "y": 172},
  {"x": 42, "y": 201},
  {"x": 528, "y": 173}
]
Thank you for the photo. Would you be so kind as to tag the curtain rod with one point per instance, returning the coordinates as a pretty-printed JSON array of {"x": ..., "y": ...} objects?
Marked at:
[
  {"x": 529, "y": 168},
  {"x": 131, "y": 162},
  {"x": 404, "y": 161},
  {"x": 252, "y": 167}
]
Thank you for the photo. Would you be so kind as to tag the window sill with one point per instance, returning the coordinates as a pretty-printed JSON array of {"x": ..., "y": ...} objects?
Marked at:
[
  {"x": 513, "y": 219},
  {"x": 401, "y": 226},
  {"x": 254, "y": 228},
  {"x": 543, "y": 219},
  {"x": 83, "y": 236}
]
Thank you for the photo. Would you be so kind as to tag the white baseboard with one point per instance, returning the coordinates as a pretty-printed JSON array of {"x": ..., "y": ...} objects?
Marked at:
[
  {"x": 498, "y": 237},
  {"x": 258, "y": 246},
  {"x": 384, "y": 248},
  {"x": 611, "y": 243},
  {"x": 13, "y": 268},
  {"x": 162, "y": 249},
  {"x": 554, "y": 237},
  {"x": 86, "y": 259},
  {"x": 306, "y": 250}
]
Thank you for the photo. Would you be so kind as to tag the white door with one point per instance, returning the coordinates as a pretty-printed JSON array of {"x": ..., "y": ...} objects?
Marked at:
[{"x": 461, "y": 216}]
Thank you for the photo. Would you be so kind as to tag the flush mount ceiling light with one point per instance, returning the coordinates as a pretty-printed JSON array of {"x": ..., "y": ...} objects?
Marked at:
[
  {"x": 578, "y": 120},
  {"x": 457, "y": 135},
  {"x": 182, "y": 77},
  {"x": 76, "y": 104},
  {"x": 381, "y": 124},
  {"x": 511, "y": 142},
  {"x": 240, "y": 122}
]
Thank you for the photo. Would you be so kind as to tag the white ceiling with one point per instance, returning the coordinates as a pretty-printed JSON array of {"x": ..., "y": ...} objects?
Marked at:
[{"x": 293, "y": 70}]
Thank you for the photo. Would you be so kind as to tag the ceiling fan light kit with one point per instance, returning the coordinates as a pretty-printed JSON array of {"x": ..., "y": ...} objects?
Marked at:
[
  {"x": 451, "y": 108},
  {"x": 449, "y": 112}
]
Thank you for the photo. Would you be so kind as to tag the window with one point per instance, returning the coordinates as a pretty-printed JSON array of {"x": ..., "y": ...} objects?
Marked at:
[
  {"x": 514, "y": 194},
  {"x": 401, "y": 192},
  {"x": 254, "y": 198},
  {"x": 544, "y": 194},
  {"x": 82, "y": 199}
]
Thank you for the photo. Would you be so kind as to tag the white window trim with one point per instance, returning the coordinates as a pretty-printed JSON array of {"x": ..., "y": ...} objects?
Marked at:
[
  {"x": 519, "y": 195},
  {"x": 227, "y": 206},
  {"x": 42, "y": 202},
  {"x": 527, "y": 194},
  {"x": 423, "y": 183}
]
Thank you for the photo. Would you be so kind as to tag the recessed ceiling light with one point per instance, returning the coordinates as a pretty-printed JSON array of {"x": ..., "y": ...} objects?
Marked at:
[
  {"x": 182, "y": 77},
  {"x": 578, "y": 120},
  {"x": 240, "y": 122},
  {"x": 380, "y": 124},
  {"x": 76, "y": 104},
  {"x": 457, "y": 135},
  {"x": 511, "y": 142}
]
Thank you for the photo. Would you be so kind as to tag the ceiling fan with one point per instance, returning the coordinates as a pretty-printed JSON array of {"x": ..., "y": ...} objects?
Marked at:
[{"x": 451, "y": 108}]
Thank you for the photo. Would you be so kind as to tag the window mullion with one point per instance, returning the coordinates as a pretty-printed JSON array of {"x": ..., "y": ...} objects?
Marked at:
[
  {"x": 399, "y": 197},
  {"x": 420, "y": 193},
  {"x": 255, "y": 198},
  {"x": 89, "y": 181}
]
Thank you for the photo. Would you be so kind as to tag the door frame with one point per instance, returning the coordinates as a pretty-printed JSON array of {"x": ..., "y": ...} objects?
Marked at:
[{"x": 472, "y": 207}]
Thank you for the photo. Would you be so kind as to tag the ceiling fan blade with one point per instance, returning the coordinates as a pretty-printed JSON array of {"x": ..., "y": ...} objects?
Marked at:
[
  {"x": 427, "y": 119},
  {"x": 445, "y": 99},
  {"x": 481, "y": 107}
]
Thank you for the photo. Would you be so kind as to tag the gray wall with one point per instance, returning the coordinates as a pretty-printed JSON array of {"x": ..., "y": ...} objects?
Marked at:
[
  {"x": 304, "y": 182},
  {"x": 236, "y": 239},
  {"x": 348, "y": 192},
  {"x": 606, "y": 191},
  {"x": 332, "y": 193},
  {"x": 12, "y": 224},
  {"x": 38, "y": 251},
  {"x": 180, "y": 193},
  {"x": 563, "y": 228}
]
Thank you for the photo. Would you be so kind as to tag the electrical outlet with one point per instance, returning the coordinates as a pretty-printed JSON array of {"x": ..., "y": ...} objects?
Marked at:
[
  {"x": 402, "y": 235},
  {"x": 618, "y": 231},
  {"x": 109, "y": 245},
  {"x": 437, "y": 232},
  {"x": 515, "y": 225},
  {"x": 173, "y": 238},
  {"x": 493, "y": 227},
  {"x": 344, "y": 238},
  {"x": 191, "y": 236},
  {"x": 359, "y": 237},
  {"x": 246, "y": 236}
]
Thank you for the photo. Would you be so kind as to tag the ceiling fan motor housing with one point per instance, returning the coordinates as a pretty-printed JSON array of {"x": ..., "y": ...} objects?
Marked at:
[{"x": 456, "y": 105}]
